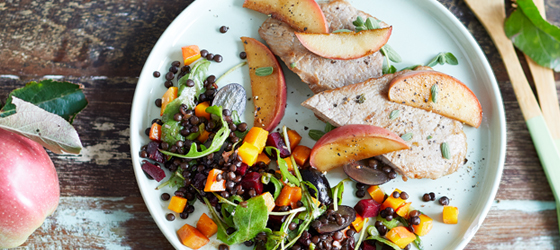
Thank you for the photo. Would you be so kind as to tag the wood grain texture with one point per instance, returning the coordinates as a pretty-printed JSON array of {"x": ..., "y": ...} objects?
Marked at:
[{"x": 103, "y": 45}]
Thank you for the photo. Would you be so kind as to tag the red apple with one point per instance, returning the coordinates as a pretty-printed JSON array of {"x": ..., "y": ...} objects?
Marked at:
[
  {"x": 353, "y": 143},
  {"x": 269, "y": 91},
  {"x": 453, "y": 99},
  {"x": 302, "y": 15},
  {"x": 345, "y": 45},
  {"x": 29, "y": 190}
]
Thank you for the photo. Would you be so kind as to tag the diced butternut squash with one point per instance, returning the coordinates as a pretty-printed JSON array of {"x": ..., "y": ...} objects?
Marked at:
[
  {"x": 426, "y": 224},
  {"x": 168, "y": 96},
  {"x": 450, "y": 215},
  {"x": 402, "y": 211},
  {"x": 177, "y": 204},
  {"x": 268, "y": 201},
  {"x": 248, "y": 153},
  {"x": 400, "y": 236},
  {"x": 301, "y": 154},
  {"x": 315, "y": 201},
  {"x": 191, "y": 237},
  {"x": 392, "y": 202},
  {"x": 206, "y": 226},
  {"x": 289, "y": 196},
  {"x": 358, "y": 223},
  {"x": 257, "y": 137},
  {"x": 203, "y": 136},
  {"x": 212, "y": 185},
  {"x": 264, "y": 158},
  {"x": 294, "y": 139},
  {"x": 155, "y": 132},
  {"x": 200, "y": 110},
  {"x": 191, "y": 53},
  {"x": 376, "y": 194}
]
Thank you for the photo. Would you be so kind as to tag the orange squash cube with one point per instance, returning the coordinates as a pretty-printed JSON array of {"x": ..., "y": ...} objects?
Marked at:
[
  {"x": 191, "y": 53},
  {"x": 376, "y": 194},
  {"x": 426, "y": 224},
  {"x": 358, "y": 223},
  {"x": 289, "y": 162},
  {"x": 168, "y": 96},
  {"x": 269, "y": 201},
  {"x": 289, "y": 196},
  {"x": 177, "y": 204},
  {"x": 248, "y": 153},
  {"x": 200, "y": 110},
  {"x": 450, "y": 215},
  {"x": 400, "y": 236},
  {"x": 206, "y": 226},
  {"x": 264, "y": 158},
  {"x": 191, "y": 237},
  {"x": 257, "y": 137},
  {"x": 155, "y": 132},
  {"x": 301, "y": 154},
  {"x": 402, "y": 211},
  {"x": 294, "y": 139},
  {"x": 212, "y": 185},
  {"x": 392, "y": 202}
]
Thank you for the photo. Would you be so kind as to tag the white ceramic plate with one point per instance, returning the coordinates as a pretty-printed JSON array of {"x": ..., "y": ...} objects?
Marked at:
[{"x": 421, "y": 29}]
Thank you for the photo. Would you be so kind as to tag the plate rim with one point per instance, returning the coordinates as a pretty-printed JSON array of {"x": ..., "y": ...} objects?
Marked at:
[{"x": 434, "y": 5}]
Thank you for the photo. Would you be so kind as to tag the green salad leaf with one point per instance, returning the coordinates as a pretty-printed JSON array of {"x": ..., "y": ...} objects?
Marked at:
[
  {"x": 533, "y": 35},
  {"x": 217, "y": 142},
  {"x": 283, "y": 166},
  {"x": 60, "y": 98},
  {"x": 248, "y": 222},
  {"x": 170, "y": 132},
  {"x": 47, "y": 129}
]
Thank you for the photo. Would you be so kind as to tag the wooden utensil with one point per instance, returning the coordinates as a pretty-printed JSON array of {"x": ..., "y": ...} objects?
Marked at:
[
  {"x": 546, "y": 90},
  {"x": 491, "y": 14}
]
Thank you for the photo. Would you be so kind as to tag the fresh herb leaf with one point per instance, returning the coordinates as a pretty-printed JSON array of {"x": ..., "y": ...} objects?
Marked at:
[
  {"x": 264, "y": 71},
  {"x": 277, "y": 186},
  {"x": 389, "y": 69},
  {"x": 434, "y": 90},
  {"x": 391, "y": 53},
  {"x": 418, "y": 243},
  {"x": 341, "y": 30},
  {"x": 411, "y": 67},
  {"x": 429, "y": 137},
  {"x": 228, "y": 210},
  {"x": 217, "y": 142},
  {"x": 316, "y": 134},
  {"x": 443, "y": 58},
  {"x": 329, "y": 127},
  {"x": 175, "y": 181},
  {"x": 170, "y": 132},
  {"x": 293, "y": 65},
  {"x": 451, "y": 59},
  {"x": 47, "y": 129},
  {"x": 338, "y": 190},
  {"x": 283, "y": 166},
  {"x": 434, "y": 61},
  {"x": 248, "y": 221},
  {"x": 361, "y": 99},
  {"x": 372, "y": 23},
  {"x": 445, "y": 151},
  {"x": 407, "y": 136},
  {"x": 389, "y": 224},
  {"x": 394, "y": 114},
  {"x": 60, "y": 98},
  {"x": 359, "y": 21},
  {"x": 533, "y": 35}
]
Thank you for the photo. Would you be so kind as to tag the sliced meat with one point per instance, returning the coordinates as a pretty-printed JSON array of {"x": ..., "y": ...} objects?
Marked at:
[
  {"x": 429, "y": 130},
  {"x": 318, "y": 72}
]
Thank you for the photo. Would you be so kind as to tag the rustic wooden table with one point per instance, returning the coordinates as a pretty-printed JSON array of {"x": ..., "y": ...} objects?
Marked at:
[{"x": 103, "y": 45}]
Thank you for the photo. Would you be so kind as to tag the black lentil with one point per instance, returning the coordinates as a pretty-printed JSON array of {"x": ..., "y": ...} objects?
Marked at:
[
  {"x": 203, "y": 53},
  {"x": 444, "y": 201},
  {"x": 165, "y": 197},
  {"x": 170, "y": 217},
  {"x": 158, "y": 102},
  {"x": 243, "y": 55},
  {"x": 218, "y": 58},
  {"x": 168, "y": 84},
  {"x": 157, "y": 74},
  {"x": 169, "y": 76}
]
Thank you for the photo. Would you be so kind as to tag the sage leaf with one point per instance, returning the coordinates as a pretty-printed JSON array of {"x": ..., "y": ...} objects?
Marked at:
[
  {"x": 407, "y": 136},
  {"x": 359, "y": 21},
  {"x": 394, "y": 114},
  {"x": 316, "y": 134},
  {"x": 451, "y": 59},
  {"x": 389, "y": 69},
  {"x": 533, "y": 35},
  {"x": 61, "y": 98},
  {"x": 433, "y": 62},
  {"x": 434, "y": 89},
  {"x": 264, "y": 71},
  {"x": 445, "y": 151},
  {"x": 293, "y": 65},
  {"x": 391, "y": 53},
  {"x": 411, "y": 67},
  {"x": 49, "y": 130},
  {"x": 329, "y": 127},
  {"x": 372, "y": 23},
  {"x": 341, "y": 30}
]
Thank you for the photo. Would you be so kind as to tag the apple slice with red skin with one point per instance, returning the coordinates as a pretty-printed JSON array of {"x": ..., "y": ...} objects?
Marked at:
[
  {"x": 454, "y": 99},
  {"x": 302, "y": 15},
  {"x": 269, "y": 92},
  {"x": 353, "y": 143},
  {"x": 345, "y": 45}
]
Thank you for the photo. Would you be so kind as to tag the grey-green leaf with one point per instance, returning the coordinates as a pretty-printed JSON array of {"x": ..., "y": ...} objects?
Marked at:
[
  {"x": 392, "y": 54},
  {"x": 445, "y": 151},
  {"x": 316, "y": 134},
  {"x": 435, "y": 90},
  {"x": 47, "y": 129},
  {"x": 264, "y": 71},
  {"x": 372, "y": 23},
  {"x": 407, "y": 136},
  {"x": 329, "y": 127},
  {"x": 61, "y": 98},
  {"x": 359, "y": 21},
  {"x": 451, "y": 59},
  {"x": 394, "y": 114}
]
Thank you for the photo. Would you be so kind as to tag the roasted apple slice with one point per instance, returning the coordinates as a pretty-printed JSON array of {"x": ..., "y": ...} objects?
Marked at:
[
  {"x": 345, "y": 45},
  {"x": 353, "y": 143},
  {"x": 267, "y": 83},
  {"x": 302, "y": 15},
  {"x": 437, "y": 92}
]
